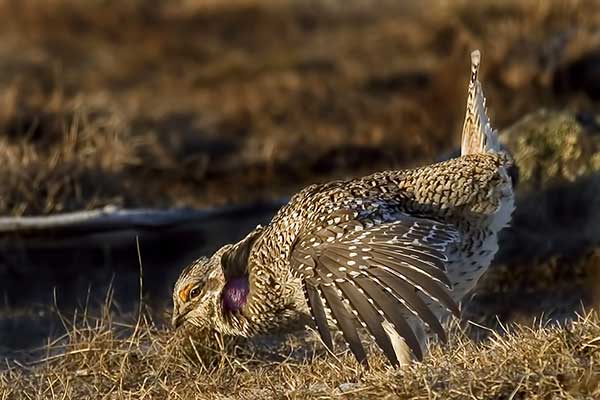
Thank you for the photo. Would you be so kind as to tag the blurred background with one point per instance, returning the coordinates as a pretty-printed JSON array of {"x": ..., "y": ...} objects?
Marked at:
[{"x": 231, "y": 106}]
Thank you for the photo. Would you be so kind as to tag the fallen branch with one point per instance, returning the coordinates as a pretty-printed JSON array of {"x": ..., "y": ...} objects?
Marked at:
[{"x": 114, "y": 219}]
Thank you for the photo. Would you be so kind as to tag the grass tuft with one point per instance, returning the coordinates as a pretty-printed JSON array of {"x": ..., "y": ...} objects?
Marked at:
[{"x": 100, "y": 358}]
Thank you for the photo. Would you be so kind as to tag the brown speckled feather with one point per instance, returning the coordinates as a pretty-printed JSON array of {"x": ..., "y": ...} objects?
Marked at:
[{"x": 411, "y": 250}]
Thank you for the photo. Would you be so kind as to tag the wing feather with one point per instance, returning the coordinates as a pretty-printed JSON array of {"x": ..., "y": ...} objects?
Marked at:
[
  {"x": 345, "y": 321},
  {"x": 403, "y": 264},
  {"x": 318, "y": 311},
  {"x": 392, "y": 312},
  {"x": 406, "y": 292},
  {"x": 425, "y": 285},
  {"x": 400, "y": 287},
  {"x": 369, "y": 272},
  {"x": 371, "y": 318}
]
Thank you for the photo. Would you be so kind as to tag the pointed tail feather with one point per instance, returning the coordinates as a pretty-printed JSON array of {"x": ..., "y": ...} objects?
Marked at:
[{"x": 477, "y": 135}]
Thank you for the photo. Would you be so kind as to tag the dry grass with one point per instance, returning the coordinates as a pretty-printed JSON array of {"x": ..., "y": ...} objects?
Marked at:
[
  {"x": 220, "y": 102},
  {"x": 82, "y": 168},
  {"x": 102, "y": 359}
]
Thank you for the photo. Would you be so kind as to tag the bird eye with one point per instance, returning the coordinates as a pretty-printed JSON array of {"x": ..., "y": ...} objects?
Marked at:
[{"x": 195, "y": 292}]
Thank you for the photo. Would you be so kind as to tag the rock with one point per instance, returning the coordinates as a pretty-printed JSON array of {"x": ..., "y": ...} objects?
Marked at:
[
  {"x": 551, "y": 148},
  {"x": 349, "y": 386}
]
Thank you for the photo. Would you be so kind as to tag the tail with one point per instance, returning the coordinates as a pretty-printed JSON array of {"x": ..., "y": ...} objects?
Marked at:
[{"x": 477, "y": 134}]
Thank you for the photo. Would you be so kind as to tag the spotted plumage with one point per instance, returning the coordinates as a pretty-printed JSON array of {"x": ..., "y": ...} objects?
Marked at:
[{"x": 391, "y": 253}]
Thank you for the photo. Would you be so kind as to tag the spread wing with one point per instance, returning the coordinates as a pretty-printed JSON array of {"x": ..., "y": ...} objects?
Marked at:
[{"x": 370, "y": 273}]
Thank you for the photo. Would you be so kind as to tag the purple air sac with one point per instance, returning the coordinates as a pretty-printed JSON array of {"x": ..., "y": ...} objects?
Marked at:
[{"x": 235, "y": 294}]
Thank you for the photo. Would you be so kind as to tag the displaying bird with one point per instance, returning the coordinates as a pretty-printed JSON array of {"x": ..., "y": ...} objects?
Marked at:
[{"x": 384, "y": 254}]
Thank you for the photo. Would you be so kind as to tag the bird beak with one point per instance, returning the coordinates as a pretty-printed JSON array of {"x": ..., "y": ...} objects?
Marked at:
[{"x": 177, "y": 320}]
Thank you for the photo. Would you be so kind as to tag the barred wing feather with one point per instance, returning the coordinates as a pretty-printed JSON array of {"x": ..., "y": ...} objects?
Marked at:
[{"x": 366, "y": 273}]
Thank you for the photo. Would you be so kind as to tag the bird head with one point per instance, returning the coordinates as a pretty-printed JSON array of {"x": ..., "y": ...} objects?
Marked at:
[
  {"x": 212, "y": 292},
  {"x": 197, "y": 292}
]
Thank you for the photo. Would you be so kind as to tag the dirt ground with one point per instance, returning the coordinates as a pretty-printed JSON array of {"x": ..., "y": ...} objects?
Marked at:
[{"x": 200, "y": 103}]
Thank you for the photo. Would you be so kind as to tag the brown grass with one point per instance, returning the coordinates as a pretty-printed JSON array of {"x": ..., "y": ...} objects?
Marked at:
[
  {"x": 102, "y": 359},
  {"x": 218, "y": 102},
  {"x": 50, "y": 177}
]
